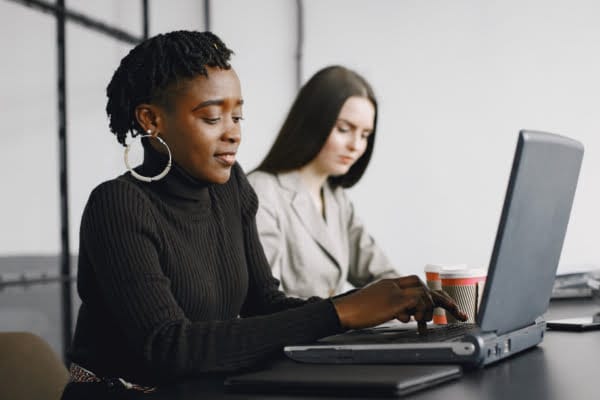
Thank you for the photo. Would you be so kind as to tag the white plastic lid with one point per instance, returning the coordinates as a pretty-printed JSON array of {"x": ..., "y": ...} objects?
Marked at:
[
  {"x": 463, "y": 273},
  {"x": 442, "y": 267}
]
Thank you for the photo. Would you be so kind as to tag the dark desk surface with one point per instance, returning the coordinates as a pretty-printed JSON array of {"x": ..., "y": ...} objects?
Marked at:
[{"x": 566, "y": 365}]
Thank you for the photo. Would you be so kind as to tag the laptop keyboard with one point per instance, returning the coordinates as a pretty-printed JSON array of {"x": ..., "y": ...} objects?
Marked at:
[{"x": 435, "y": 333}]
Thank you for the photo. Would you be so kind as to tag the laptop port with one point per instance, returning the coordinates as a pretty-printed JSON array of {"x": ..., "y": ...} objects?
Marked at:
[{"x": 498, "y": 349}]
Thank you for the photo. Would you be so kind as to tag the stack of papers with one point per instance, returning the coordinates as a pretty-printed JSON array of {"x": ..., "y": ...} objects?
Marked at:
[{"x": 576, "y": 284}]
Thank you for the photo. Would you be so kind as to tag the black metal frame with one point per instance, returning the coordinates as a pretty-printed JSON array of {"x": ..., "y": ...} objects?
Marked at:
[
  {"x": 63, "y": 14},
  {"x": 299, "y": 41},
  {"x": 65, "y": 253},
  {"x": 207, "y": 15}
]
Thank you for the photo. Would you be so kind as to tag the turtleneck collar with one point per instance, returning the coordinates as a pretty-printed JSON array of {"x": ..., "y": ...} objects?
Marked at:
[{"x": 178, "y": 184}]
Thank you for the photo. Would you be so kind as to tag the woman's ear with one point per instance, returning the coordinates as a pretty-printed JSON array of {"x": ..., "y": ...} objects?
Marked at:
[{"x": 147, "y": 116}]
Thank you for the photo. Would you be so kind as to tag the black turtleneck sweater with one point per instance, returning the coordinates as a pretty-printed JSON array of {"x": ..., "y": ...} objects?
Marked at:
[{"x": 174, "y": 282}]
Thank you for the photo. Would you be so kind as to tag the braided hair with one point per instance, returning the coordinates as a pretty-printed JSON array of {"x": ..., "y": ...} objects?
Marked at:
[{"x": 146, "y": 74}]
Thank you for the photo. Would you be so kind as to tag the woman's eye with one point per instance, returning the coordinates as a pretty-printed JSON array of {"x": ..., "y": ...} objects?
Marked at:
[
  {"x": 343, "y": 129},
  {"x": 211, "y": 121},
  {"x": 237, "y": 119}
]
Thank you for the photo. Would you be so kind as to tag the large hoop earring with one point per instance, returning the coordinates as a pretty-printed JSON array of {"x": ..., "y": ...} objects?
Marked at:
[{"x": 142, "y": 177}]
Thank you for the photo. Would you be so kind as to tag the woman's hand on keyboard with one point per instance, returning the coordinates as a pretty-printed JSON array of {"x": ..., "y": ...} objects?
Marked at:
[{"x": 400, "y": 298}]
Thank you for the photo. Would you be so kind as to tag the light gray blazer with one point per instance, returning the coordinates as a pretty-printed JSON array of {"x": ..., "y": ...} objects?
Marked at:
[{"x": 311, "y": 256}]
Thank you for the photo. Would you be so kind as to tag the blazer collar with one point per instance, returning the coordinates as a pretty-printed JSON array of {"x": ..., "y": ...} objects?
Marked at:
[{"x": 325, "y": 233}]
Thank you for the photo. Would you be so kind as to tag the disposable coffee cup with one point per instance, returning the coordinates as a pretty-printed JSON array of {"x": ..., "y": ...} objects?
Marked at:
[
  {"x": 434, "y": 282},
  {"x": 465, "y": 286}
]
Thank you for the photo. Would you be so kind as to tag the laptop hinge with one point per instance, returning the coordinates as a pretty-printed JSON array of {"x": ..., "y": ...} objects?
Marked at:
[{"x": 537, "y": 321}]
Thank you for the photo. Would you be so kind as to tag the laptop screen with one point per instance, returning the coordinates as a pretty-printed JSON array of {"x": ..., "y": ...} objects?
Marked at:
[{"x": 531, "y": 231}]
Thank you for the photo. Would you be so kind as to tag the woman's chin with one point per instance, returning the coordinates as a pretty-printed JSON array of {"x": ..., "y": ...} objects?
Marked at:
[{"x": 340, "y": 170}]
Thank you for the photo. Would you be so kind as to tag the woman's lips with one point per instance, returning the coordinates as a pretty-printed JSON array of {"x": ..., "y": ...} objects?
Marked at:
[
  {"x": 346, "y": 160},
  {"x": 226, "y": 158}
]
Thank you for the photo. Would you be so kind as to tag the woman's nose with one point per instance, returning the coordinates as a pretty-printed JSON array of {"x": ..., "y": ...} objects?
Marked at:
[
  {"x": 233, "y": 134},
  {"x": 354, "y": 142}
]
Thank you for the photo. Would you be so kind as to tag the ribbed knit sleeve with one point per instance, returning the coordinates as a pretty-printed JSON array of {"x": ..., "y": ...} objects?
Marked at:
[{"x": 123, "y": 241}]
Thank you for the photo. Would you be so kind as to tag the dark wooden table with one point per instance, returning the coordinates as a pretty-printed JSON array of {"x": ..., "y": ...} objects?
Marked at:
[{"x": 566, "y": 365}]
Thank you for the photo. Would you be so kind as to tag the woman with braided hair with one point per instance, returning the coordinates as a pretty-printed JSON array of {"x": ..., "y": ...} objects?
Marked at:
[{"x": 173, "y": 279}]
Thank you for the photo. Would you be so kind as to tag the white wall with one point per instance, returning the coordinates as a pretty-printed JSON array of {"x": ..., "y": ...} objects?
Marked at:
[{"x": 456, "y": 80}]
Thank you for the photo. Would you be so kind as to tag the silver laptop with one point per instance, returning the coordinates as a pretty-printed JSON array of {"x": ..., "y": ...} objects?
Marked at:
[{"x": 520, "y": 277}]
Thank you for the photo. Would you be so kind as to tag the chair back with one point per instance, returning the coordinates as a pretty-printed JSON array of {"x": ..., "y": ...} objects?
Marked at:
[{"x": 29, "y": 368}]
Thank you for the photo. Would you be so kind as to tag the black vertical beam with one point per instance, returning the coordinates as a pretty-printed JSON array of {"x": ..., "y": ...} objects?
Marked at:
[
  {"x": 65, "y": 253},
  {"x": 207, "y": 15},
  {"x": 145, "y": 22},
  {"x": 62, "y": 15},
  {"x": 299, "y": 41}
]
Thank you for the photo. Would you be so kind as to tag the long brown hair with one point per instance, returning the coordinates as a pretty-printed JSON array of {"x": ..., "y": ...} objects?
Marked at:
[{"x": 311, "y": 119}]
